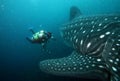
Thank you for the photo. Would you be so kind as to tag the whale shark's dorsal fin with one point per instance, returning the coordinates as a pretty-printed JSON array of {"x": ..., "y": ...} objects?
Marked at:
[{"x": 74, "y": 12}]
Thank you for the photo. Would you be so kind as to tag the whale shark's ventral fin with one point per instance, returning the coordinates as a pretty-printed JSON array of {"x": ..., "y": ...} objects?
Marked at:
[{"x": 74, "y": 12}]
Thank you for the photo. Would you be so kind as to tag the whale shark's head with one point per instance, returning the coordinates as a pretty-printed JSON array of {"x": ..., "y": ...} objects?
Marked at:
[{"x": 95, "y": 40}]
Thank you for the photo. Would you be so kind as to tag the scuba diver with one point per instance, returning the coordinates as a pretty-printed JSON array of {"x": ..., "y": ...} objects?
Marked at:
[{"x": 42, "y": 37}]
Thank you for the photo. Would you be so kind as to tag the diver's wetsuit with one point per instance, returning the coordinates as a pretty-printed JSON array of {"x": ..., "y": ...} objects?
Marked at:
[{"x": 41, "y": 37}]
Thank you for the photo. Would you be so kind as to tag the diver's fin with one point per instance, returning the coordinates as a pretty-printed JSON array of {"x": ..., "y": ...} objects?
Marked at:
[
  {"x": 74, "y": 12},
  {"x": 45, "y": 49}
]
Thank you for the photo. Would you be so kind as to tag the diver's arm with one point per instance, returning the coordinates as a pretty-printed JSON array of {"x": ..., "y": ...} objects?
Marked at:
[
  {"x": 30, "y": 40},
  {"x": 44, "y": 46},
  {"x": 32, "y": 31}
]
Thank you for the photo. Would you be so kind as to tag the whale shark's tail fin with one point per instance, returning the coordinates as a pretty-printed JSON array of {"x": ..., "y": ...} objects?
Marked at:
[{"x": 74, "y": 12}]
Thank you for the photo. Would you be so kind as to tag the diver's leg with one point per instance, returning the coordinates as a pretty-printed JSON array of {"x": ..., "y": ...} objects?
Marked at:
[
  {"x": 30, "y": 40},
  {"x": 32, "y": 31},
  {"x": 44, "y": 46}
]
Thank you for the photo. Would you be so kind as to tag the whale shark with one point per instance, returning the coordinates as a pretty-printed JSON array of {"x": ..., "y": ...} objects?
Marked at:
[{"x": 95, "y": 40}]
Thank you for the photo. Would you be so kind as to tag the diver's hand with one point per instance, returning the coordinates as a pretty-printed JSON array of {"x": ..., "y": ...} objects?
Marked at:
[
  {"x": 30, "y": 40},
  {"x": 27, "y": 38}
]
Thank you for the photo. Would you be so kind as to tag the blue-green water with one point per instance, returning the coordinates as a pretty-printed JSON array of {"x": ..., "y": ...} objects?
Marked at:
[{"x": 18, "y": 58}]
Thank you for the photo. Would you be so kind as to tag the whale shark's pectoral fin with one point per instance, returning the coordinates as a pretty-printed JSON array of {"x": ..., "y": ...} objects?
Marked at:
[
  {"x": 74, "y": 12},
  {"x": 74, "y": 65}
]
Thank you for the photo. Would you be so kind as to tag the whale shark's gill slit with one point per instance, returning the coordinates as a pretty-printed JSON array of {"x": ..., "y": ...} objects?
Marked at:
[{"x": 97, "y": 52}]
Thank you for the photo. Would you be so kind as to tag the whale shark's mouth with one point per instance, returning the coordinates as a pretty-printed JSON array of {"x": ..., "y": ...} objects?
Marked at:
[{"x": 73, "y": 65}]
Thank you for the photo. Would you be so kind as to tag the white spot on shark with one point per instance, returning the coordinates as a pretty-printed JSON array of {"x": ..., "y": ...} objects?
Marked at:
[
  {"x": 105, "y": 19},
  {"x": 76, "y": 24},
  {"x": 74, "y": 68},
  {"x": 73, "y": 62},
  {"x": 117, "y": 59},
  {"x": 71, "y": 26},
  {"x": 51, "y": 67},
  {"x": 81, "y": 42},
  {"x": 101, "y": 66},
  {"x": 76, "y": 40},
  {"x": 75, "y": 37},
  {"x": 64, "y": 64},
  {"x": 81, "y": 68},
  {"x": 74, "y": 31},
  {"x": 48, "y": 64},
  {"x": 63, "y": 69},
  {"x": 116, "y": 53},
  {"x": 92, "y": 22},
  {"x": 84, "y": 31},
  {"x": 102, "y": 36},
  {"x": 98, "y": 60},
  {"x": 81, "y": 23},
  {"x": 113, "y": 49},
  {"x": 88, "y": 45},
  {"x": 115, "y": 17},
  {"x": 87, "y": 66},
  {"x": 68, "y": 33},
  {"x": 114, "y": 69},
  {"x": 91, "y": 31},
  {"x": 70, "y": 58},
  {"x": 98, "y": 29},
  {"x": 57, "y": 63},
  {"x": 115, "y": 63},
  {"x": 59, "y": 69},
  {"x": 71, "y": 39},
  {"x": 69, "y": 68},
  {"x": 90, "y": 57},
  {"x": 93, "y": 26},
  {"x": 107, "y": 33},
  {"x": 110, "y": 53},
  {"x": 105, "y": 26},
  {"x": 100, "y": 24},
  {"x": 81, "y": 28},
  {"x": 113, "y": 33},
  {"x": 111, "y": 61},
  {"x": 93, "y": 65}
]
